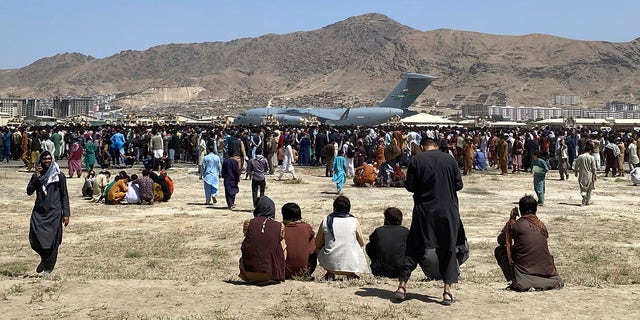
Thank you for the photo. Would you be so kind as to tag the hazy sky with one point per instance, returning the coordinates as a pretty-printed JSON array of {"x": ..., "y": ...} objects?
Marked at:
[{"x": 35, "y": 29}]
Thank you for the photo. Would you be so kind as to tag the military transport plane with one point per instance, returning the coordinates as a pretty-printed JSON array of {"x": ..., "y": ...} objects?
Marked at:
[{"x": 395, "y": 105}]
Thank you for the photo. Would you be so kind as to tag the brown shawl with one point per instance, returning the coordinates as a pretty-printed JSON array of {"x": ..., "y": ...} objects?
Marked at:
[{"x": 533, "y": 219}]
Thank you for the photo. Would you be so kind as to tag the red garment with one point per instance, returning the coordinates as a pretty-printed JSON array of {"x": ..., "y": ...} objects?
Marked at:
[
  {"x": 262, "y": 250},
  {"x": 301, "y": 242}
]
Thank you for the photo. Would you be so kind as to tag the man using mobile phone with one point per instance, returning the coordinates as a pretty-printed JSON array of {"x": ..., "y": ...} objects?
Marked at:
[
  {"x": 523, "y": 254},
  {"x": 50, "y": 211}
]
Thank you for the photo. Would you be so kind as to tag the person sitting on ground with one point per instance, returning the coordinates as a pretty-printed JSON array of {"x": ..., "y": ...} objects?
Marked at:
[
  {"x": 397, "y": 177},
  {"x": 87, "y": 187},
  {"x": 99, "y": 185},
  {"x": 523, "y": 254},
  {"x": 635, "y": 175},
  {"x": 365, "y": 175},
  {"x": 263, "y": 249},
  {"x": 133, "y": 190},
  {"x": 118, "y": 191},
  {"x": 387, "y": 245},
  {"x": 340, "y": 241},
  {"x": 164, "y": 190},
  {"x": 301, "y": 243},
  {"x": 145, "y": 185}
]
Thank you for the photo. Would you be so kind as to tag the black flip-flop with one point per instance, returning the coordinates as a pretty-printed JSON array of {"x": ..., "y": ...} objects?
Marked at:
[
  {"x": 450, "y": 301},
  {"x": 401, "y": 293}
]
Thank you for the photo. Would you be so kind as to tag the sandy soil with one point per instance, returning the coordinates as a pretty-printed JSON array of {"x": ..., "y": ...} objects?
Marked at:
[{"x": 178, "y": 260}]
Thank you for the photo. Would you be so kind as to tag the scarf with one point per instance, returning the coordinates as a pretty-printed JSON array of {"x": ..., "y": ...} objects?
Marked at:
[
  {"x": 335, "y": 215},
  {"x": 50, "y": 176},
  {"x": 533, "y": 219},
  {"x": 614, "y": 148}
]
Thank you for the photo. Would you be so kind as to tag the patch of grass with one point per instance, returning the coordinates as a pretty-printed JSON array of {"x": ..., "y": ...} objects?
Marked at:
[
  {"x": 16, "y": 289},
  {"x": 130, "y": 254},
  {"x": 316, "y": 308},
  {"x": 590, "y": 257},
  {"x": 560, "y": 219},
  {"x": 218, "y": 255},
  {"x": 14, "y": 268},
  {"x": 153, "y": 264}
]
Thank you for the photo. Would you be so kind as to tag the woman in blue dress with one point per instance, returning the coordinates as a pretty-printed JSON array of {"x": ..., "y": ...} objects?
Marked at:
[{"x": 339, "y": 170}]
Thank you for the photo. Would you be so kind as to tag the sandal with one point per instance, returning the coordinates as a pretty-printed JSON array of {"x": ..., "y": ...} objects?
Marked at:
[
  {"x": 450, "y": 301},
  {"x": 401, "y": 293}
]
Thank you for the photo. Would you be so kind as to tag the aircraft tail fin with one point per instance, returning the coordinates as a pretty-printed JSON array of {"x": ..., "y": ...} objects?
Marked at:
[
  {"x": 407, "y": 91},
  {"x": 345, "y": 115}
]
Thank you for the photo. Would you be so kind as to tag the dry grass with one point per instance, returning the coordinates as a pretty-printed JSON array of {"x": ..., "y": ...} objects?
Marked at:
[{"x": 181, "y": 258}]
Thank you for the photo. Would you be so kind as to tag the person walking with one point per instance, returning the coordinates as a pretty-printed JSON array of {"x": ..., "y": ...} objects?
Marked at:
[
  {"x": 434, "y": 179},
  {"x": 211, "y": 174},
  {"x": 539, "y": 168},
  {"x": 585, "y": 170},
  {"x": 50, "y": 211}
]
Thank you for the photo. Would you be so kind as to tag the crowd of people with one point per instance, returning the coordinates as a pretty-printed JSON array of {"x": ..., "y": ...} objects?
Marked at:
[{"x": 274, "y": 251}]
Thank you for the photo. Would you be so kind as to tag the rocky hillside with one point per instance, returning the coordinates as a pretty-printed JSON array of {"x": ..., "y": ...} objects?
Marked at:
[{"x": 362, "y": 56}]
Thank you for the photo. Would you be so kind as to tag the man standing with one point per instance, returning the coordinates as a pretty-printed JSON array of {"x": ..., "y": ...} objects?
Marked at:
[
  {"x": 210, "y": 175},
  {"x": 503, "y": 150},
  {"x": 539, "y": 168},
  {"x": 434, "y": 178},
  {"x": 157, "y": 147},
  {"x": 231, "y": 175},
  {"x": 256, "y": 168},
  {"x": 585, "y": 169},
  {"x": 50, "y": 211},
  {"x": 563, "y": 157},
  {"x": 523, "y": 254}
]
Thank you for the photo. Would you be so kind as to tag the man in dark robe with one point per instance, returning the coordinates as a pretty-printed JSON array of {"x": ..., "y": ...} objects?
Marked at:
[
  {"x": 50, "y": 211},
  {"x": 231, "y": 175},
  {"x": 434, "y": 178},
  {"x": 523, "y": 254}
]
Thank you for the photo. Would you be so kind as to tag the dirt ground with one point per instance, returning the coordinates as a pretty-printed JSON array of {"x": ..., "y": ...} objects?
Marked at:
[{"x": 178, "y": 260}]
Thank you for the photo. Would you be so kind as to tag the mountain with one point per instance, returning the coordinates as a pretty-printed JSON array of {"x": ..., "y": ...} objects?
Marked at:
[{"x": 358, "y": 59}]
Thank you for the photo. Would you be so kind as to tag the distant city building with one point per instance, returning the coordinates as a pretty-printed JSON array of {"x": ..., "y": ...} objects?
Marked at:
[
  {"x": 475, "y": 111},
  {"x": 523, "y": 113},
  {"x": 75, "y": 106},
  {"x": 567, "y": 99},
  {"x": 13, "y": 107},
  {"x": 621, "y": 106}
]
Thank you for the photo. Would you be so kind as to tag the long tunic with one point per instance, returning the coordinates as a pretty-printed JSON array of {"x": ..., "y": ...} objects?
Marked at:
[
  {"x": 531, "y": 256},
  {"x": 434, "y": 179},
  {"x": 262, "y": 250},
  {"x": 211, "y": 170},
  {"x": 342, "y": 251},
  {"x": 231, "y": 176},
  {"x": 585, "y": 168},
  {"x": 89, "y": 155},
  {"x": 339, "y": 172},
  {"x": 45, "y": 231},
  {"x": 300, "y": 240}
]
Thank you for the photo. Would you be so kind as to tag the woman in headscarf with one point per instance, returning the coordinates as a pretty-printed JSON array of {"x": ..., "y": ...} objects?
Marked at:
[
  {"x": 339, "y": 169},
  {"x": 340, "y": 241},
  {"x": 89, "y": 154},
  {"x": 50, "y": 211},
  {"x": 263, "y": 248},
  {"x": 75, "y": 158}
]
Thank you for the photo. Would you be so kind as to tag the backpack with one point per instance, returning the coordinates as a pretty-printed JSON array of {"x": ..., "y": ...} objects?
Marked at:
[{"x": 351, "y": 151}]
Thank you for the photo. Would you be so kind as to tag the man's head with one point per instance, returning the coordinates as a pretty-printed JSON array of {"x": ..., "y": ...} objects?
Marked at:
[
  {"x": 342, "y": 204},
  {"x": 428, "y": 144},
  {"x": 291, "y": 212},
  {"x": 392, "y": 216},
  {"x": 528, "y": 205}
]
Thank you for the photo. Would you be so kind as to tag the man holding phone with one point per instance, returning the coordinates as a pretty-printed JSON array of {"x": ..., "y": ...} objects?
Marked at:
[
  {"x": 50, "y": 211},
  {"x": 523, "y": 254}
]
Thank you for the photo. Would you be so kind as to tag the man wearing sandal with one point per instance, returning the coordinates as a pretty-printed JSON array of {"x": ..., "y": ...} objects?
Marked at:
[{"x": 434, "y": 178}]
